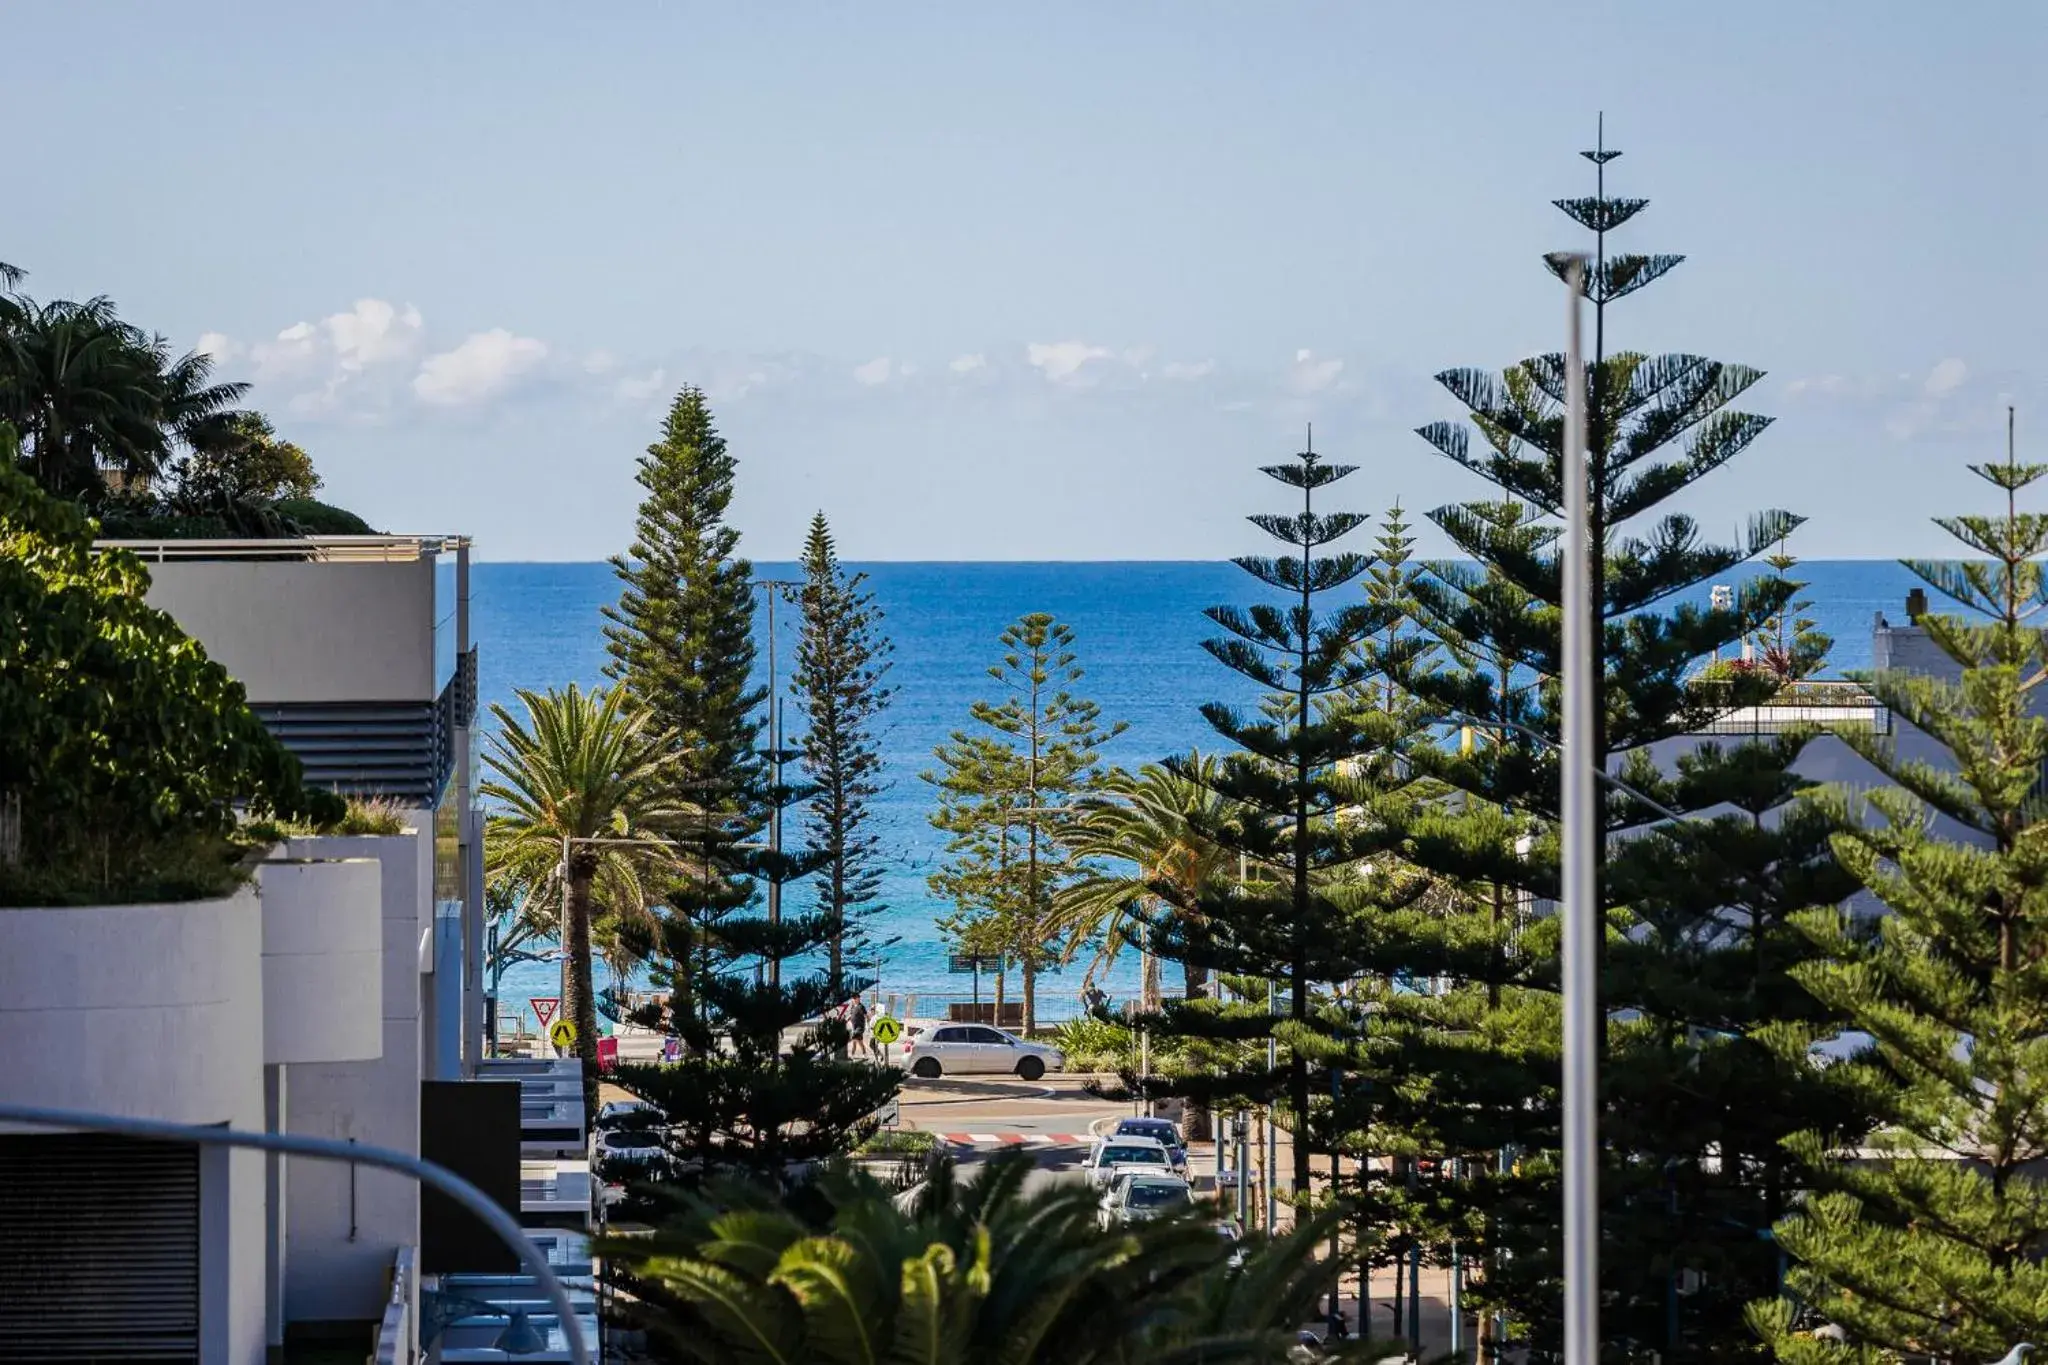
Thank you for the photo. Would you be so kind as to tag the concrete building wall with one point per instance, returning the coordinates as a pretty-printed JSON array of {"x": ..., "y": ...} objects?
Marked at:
[
  {"x": 342, "y": 1233},
  {"x": 323, "y": 960},
  {"x": 154, "y": 1011},
  {"x": 310, "y": 631}
]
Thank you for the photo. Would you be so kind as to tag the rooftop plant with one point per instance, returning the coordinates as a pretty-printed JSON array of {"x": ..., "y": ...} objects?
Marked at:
[{"x": 127, "y": 753}]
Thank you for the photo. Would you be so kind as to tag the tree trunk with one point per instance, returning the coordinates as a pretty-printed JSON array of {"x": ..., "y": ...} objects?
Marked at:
[
  {"x": 682, "y": 1002},
  {"x": 1002, "y": 976},
  {"x": 1030, "y": 998},
  {"x": 1149, "y": 991},
  {"x": 580, "y": 1009}
]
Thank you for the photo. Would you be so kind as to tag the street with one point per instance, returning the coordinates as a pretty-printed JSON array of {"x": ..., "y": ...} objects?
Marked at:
[{"x": 1051, "y": 1118}]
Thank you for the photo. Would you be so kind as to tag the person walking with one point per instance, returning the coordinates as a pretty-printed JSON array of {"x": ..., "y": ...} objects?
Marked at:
[{"x": 857, "y": 1025}]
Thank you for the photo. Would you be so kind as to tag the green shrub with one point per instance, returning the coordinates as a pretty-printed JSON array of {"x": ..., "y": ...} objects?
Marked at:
[
  {"x": 371, "y": 816},
  {"x": 1091, "y": 1044},
  {"x": 316, "y": 518},
  {"x": 898, "y": 1142},
  {"x": 126, "y": 751}
]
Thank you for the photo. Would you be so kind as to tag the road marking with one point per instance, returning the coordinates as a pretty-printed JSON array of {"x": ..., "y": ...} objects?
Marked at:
[{"x": 1017, "y": 1139}]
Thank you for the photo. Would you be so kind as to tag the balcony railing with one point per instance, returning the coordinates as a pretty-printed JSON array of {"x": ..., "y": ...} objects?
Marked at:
[
  {"x": 404, "y": 750},
  {"x": 1833, "y": 702},
  {"x": 340, "y": 549}
]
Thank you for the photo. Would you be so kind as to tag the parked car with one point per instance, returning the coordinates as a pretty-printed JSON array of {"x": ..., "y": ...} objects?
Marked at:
[
  {"x": 1163, "y": 1131},
  {"x": 1114, "y": 1156},
  {"x": 629, "y": 1146},
  {"x": 963, "y": 1049},
  {"x": 626, "y": 1114},
  {"x": 1135, "y": 1198},
  {"x": 913, "y": 1031}
]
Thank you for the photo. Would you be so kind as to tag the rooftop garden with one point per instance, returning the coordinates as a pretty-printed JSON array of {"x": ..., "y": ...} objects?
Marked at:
[
  {"x": 129, "y": 758},
  {"x": 110, "y": 418}
]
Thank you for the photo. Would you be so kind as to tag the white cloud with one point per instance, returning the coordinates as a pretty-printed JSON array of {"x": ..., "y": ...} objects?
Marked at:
[
  {"x": 1311, "y": 375},
  {"x": 217, "y": 345},
  {"x": 876, "y": 371},
  {"x": 484, "y": 365},
  {"x": 600, "y": 362},
  {"x": 967, "y": 364},
  {"x": 1946, "y": 377},
  {"x": 326, "y": 364},
  {"x": 641, "y": 388},
  {"x": 1061, "y": 361},
  {"x": 1837, "y": 386},
  {"x": 373, "y": 332},
  {"x": 1182, "y": 369}
]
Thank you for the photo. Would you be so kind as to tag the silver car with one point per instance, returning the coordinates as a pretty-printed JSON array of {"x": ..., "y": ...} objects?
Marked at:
[
  {"x": 964, "y": 1049},
  {"x": 1135, "y": 1198},
  {"x": 1113, "y": 1157}
]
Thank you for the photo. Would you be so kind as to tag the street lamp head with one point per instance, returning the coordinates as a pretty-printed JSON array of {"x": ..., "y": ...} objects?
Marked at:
[{"x": 1569, "y": 266}]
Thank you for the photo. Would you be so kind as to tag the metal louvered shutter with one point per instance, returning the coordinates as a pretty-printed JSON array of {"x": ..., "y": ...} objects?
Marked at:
[{"x": 99, "y": 1250}]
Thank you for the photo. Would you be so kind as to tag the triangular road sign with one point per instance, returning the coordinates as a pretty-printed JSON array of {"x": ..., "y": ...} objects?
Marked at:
[{"x": 545, "y": 1008}]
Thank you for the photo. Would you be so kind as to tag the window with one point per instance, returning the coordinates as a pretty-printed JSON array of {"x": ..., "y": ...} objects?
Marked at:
[
  {"x": 950, "y": 1035},
  {"x": 986, "y": 1035},
  {"x": 1112, "y": 1156},
  {"x": 634, "y": 1139},
  {"x": 1155, "y": 1194}
]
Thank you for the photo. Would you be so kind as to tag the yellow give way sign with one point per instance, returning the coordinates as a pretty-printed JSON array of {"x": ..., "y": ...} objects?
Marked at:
[
  {"x": 562, "y": 1034},
  {"x": 886, "y": 1030}
]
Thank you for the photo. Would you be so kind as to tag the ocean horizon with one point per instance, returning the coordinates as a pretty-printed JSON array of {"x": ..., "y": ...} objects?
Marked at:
[{"x": 1138, "y": 629}]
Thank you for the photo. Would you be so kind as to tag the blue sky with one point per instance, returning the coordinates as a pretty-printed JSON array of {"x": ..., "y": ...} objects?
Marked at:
[{"x": 1036, "y": 281}]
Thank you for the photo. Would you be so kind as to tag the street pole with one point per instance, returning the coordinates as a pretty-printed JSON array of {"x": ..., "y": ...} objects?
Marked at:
[
  {"x": 1272, "y": 1130},
  {"x": 1581, "y": 911},
  {"x": 775, "y": 782},
  {"x": 562, "y": 938},
  {"x": 1243, "y": 1129},
  {"x": 1145, "y": 1032}
]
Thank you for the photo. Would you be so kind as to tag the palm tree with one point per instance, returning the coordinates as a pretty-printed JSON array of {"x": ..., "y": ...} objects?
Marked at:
[
  {"x": 1151, "y": 823},
  {"x": 979, "y": 1272},
  {"x": 93, "y": 396},
  {"x": 581, "y": 768}
]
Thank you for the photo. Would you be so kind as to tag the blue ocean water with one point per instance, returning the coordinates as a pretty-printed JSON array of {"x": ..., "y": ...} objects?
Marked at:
[{"x": 1138, "y": 627}]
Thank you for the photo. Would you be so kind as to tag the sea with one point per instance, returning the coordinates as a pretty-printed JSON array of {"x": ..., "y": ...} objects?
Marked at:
[{"x": 1138, "y": 630}]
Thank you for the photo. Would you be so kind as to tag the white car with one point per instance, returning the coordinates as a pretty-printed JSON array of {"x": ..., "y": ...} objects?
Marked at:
[
  {"x": 1126, "y": 1155},
  {"x": 964, "y": 1049},
  {"x": 1135, "y": 1198}
]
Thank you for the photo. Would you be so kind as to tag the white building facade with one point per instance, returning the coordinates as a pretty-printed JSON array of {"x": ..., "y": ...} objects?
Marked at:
[{"x": 314, "y": 1001}]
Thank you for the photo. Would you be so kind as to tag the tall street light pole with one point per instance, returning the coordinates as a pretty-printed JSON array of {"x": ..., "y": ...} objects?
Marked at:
[
  {"x": 1581, "y": 908},
  {"x": 775, "y": 587}
]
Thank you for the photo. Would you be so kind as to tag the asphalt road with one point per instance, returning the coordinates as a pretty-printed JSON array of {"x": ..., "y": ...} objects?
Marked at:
[{"x": 1043, "y": 1117}]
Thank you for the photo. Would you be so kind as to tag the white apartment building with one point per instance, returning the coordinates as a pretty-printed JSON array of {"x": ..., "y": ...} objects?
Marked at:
[{"x": 315, "y": 1001}]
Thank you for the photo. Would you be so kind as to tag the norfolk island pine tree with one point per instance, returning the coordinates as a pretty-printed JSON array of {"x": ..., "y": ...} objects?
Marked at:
[
  {"x": 842, "y": 660},
  {"x": 1011, "y": 790},
  {"x": 1928, "y": 1239},
  {"x": 1283, "y": 790},
  {"x": 1639, "y": 406},
  {"x": 681, "y": 643}
]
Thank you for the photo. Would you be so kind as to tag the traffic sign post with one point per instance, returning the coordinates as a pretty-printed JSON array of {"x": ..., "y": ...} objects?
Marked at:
[
  {"x": 545, "y": 1008},
  {"x": 963, "y": 964}
]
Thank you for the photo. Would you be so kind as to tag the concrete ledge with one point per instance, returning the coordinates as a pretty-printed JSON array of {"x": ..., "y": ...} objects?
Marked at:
[
  {"x": 323, "y": 960},
  {"x": 148, "y": 1011}
]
